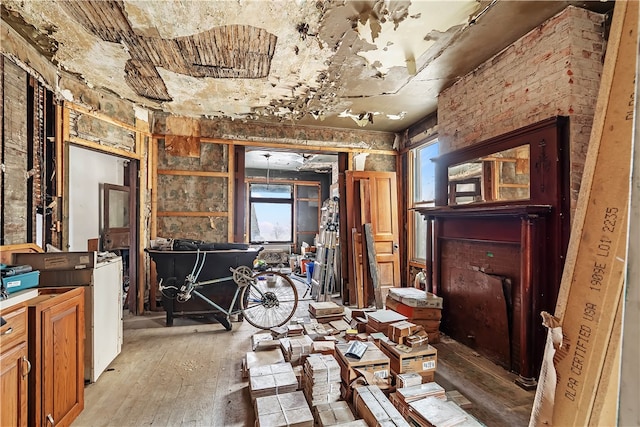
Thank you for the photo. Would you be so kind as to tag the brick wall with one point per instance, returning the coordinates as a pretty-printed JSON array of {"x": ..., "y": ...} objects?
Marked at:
[
  {"x": 553, "y": 70},
  {"x": 14, "y": 129}
]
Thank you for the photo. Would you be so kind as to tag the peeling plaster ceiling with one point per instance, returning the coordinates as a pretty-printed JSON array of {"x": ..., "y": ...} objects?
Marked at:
[{"x": 378, "y": 65}]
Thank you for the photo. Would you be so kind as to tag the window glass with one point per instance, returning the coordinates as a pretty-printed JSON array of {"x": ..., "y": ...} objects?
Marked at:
[
  {"x": 420, "y": 226},
  {"x": 308, "y": 191},
  {"x": 423, "y": 194},
  {"x": 271, "y": 222},
  {"x": 271, "y": 191},
  {"x": 307, "y": 215},
  {"x": 425, "y": 173}
]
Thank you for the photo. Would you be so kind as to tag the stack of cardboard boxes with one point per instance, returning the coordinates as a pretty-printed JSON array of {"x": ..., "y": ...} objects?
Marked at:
[{"x": 419, "y": 307}]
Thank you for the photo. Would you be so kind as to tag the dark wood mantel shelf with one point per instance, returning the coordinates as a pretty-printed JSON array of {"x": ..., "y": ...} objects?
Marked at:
[{"x": 471, "y": 211}]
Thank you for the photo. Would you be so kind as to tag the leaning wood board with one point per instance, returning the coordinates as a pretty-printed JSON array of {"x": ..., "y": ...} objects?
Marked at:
[
  {"x": 591, "y": 285},
  {"x": 629, "y": 411},
  {"x": 373, "y": 264}
]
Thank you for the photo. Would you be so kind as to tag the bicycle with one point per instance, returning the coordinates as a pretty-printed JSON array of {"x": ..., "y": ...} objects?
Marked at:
[{"x": 267, "y": 299}]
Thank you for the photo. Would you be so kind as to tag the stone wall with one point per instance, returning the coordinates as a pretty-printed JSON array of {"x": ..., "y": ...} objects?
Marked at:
[{"x": 553, "y": 70}]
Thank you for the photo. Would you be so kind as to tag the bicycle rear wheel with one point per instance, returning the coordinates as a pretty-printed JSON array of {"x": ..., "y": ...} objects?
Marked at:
[{"x": 270, "y": 300}]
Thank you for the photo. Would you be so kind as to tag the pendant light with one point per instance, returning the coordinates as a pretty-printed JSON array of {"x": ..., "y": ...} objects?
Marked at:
[{"x": 267, "y": 156}]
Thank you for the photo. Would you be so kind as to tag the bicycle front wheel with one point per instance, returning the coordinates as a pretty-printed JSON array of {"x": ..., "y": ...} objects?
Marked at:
[{"x": 269, "y": 300}]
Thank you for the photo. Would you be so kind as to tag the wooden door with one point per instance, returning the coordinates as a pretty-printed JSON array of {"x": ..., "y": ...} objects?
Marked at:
[
  {"x": 13, "y": 382},
  {"x": 376, "y": 201}
]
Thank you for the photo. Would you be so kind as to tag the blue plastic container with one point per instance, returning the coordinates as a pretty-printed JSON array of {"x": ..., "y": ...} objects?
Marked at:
[
  {"x": 20, "y": 282},
  {"x": 309, "y": 272}
]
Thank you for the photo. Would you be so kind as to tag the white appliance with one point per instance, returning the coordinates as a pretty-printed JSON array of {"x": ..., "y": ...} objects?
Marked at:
[
  {"x": 103, "y": 300},
  {"x": 103, "y": 318}
]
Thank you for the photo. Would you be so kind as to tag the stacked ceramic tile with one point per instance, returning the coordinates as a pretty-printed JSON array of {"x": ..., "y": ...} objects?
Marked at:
[
  {"x": 375, "y": 408},
  {"x": 405, "y": 395},
  {"x": 379, "y": 321},
  {"x": 321, "y": 379},
  {"x": 333, "y": 414},
  {"x": 315, "y": 330},
  {"x": 260, "y": 358},
  {"x": 325, "y": 311},
  {"x": 324, "y": 347},
  {"x": 263, "y": 341},
  {"x": 289, "y": 409},
  {"x": 408, "y": 379},
  {"x": 295, "y": 349},
  {"x": 272, "y": 379},
  {"x": 435, "y": 412},
  {"x": 295, "y": 330}
]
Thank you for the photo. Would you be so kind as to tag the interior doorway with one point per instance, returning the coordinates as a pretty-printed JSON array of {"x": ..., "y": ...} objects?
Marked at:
[
  {"x": 103, "y": 206},
  {"x": 289, "y": 185}
]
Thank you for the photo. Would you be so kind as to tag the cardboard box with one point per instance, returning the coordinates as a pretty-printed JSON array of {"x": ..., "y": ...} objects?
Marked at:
[
  {"x": 373, "y": 361},
  {"x": 417, "y": 340},
  {"x": 399, "y": 330},
  {"x": 325, "y": 308},
  {"x": 379, "y": 321},
  {"x": 415, "y": 297},
  {"x": 423, "y": 360},
  {"x": 283, "y": 410},
  {"x": 413, "y": 313}
]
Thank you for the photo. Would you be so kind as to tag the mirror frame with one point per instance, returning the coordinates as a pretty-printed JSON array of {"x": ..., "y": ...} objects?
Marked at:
[
  {"x": 548, "y": 164},
  {"x": 486, "y": 181}
]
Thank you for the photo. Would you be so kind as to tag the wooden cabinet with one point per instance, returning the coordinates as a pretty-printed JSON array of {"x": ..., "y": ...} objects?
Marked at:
[
  {"x": 14, "y": 366},
  {"x": 102, "y": 281},
  {"x": 56, "y": 352}
]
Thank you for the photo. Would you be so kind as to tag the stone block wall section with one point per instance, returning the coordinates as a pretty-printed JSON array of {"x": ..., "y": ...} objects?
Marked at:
[{"x": 554, "y": 70}]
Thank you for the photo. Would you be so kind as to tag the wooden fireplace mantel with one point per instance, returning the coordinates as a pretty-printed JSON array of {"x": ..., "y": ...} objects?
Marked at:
[{"x": 522, "y": 240}]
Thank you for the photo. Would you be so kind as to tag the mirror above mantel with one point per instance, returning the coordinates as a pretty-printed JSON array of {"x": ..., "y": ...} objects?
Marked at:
[{"x": 499, "y": 176}]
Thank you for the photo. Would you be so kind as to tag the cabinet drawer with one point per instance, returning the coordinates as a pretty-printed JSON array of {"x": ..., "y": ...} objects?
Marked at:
[{"x": 15, "y": 330}]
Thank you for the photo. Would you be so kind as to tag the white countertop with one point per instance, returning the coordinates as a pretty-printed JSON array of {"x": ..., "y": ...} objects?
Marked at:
[{"x": 18, "y": 297}]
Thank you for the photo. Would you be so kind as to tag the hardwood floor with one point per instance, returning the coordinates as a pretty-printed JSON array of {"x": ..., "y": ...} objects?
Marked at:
[{"x": 190, "y": 375}]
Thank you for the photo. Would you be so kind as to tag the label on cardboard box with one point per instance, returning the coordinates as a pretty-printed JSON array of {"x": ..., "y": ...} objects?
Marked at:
[
  {"x": 383, "y": 374},
  {"x": 429, "y": 364}
]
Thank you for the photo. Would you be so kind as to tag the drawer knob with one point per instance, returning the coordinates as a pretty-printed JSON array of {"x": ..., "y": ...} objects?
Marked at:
[{"x": 8, "y": 331}]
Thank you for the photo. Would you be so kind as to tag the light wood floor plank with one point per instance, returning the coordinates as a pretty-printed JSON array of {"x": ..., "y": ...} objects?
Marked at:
[{"x": 190, "y": 375}]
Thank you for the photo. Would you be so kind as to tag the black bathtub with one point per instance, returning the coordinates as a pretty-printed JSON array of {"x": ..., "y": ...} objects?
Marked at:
[{"x": 177, "y": 265}]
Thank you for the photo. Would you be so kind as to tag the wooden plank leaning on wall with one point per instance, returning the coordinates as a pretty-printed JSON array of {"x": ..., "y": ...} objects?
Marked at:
[{"x": 584, "y": 330}]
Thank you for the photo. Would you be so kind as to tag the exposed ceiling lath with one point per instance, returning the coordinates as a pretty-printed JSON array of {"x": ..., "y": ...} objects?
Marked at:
[{"x": 231, "y": 51}]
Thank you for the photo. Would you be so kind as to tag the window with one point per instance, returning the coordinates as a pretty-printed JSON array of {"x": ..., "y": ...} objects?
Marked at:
[
  {"x": 271, "y": 212},
  {"x": 422, "y": 187}
]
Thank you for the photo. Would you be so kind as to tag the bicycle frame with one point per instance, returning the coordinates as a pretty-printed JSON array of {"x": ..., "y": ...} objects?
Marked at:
[{"x": 189, "y": 288}]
